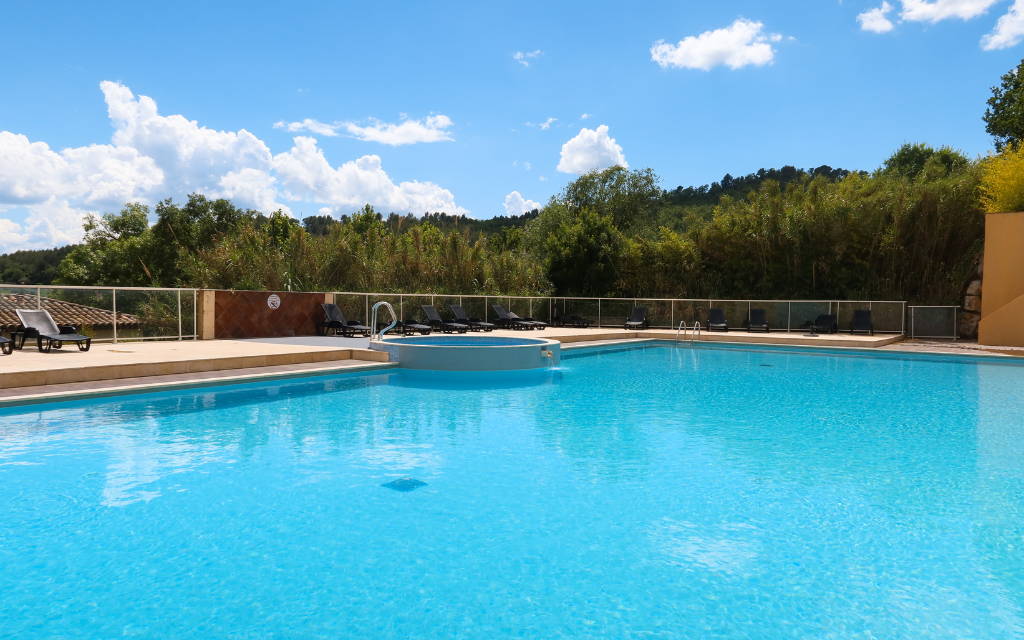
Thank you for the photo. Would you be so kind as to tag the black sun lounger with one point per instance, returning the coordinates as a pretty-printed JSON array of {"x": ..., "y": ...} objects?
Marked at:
[
  {"x": 411, "y": 328},
  {"x": 758, "y": 321},
  {"x": 637, "y": 319},
  {"x": 506, "y": 321},
  {"x": 475, "y": 324},
  {"x": 716, "y": 320},
  {"x": 824, "y": 324},
  {"x": 334, "y": 320},
  {"x": 38, "y": 324},
  {"x": 528, "y": 322},
  {"x": 862, "y": 322},
  {"x": 437, "y": 323}
]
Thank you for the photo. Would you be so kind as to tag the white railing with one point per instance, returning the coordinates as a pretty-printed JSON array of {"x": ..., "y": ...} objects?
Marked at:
[{"x": 109, "y": 314}]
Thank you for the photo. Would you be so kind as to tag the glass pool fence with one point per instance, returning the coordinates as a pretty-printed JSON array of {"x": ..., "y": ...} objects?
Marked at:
[
  {"x": 115, "y": 314},
  {"x": 662, "y": 313},
  {"x": 107, "y": 314}
]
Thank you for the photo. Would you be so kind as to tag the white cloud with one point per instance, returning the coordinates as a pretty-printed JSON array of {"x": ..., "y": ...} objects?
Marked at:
[
  {"x": 584, "y": 116},
  {"x": 1009, "y": 29},
  {"x": 740, "y": 44},
  {"x": 153, "y": 157},
  {"x": 408, "y": 132},
  {"x": 308, "y": 124},
  {"x": 306, "y": 175},
  {"x": 515, "y": 205},
  {"x": 875, "y": 20},
  {"x": 543, "y": 179},
  {"x": 521, "y": 57},
  {"x": 591, "y": 150},
  {"x": 547, "y": 123},
  {"x": 924, "y": 11}
]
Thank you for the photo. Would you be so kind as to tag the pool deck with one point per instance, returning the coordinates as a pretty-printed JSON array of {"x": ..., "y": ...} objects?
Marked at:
[{"x": 28, "y": 376}]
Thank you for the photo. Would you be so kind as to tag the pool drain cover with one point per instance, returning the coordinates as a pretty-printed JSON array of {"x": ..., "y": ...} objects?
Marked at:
[{"x": 404, "y": 484}]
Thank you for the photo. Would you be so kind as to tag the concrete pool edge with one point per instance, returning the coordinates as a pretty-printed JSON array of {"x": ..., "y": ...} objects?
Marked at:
[{"x": 115, "y": 390}]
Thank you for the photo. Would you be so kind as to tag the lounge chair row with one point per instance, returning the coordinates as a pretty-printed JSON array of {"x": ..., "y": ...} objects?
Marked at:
[
  {"x": 335, "y": 321},
  {"x": 825, "y": 323}
]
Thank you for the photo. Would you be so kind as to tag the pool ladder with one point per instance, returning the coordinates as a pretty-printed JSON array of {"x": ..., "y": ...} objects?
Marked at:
[
  {"x": 373, "y": 321},
  {"x": 694, "y": 331}
]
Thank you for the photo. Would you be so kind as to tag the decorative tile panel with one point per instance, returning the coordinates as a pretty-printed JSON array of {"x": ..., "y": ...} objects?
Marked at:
[{"x": 247, "y": 314}]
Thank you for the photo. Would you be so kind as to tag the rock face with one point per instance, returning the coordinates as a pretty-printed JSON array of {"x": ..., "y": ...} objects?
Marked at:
[{"x": 971, "y": 314}]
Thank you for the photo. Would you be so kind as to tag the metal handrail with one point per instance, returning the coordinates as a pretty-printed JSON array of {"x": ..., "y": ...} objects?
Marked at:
[
  {"x": 696, "y": 331},
  {"x": 682, "y": 327},
  {"x": 373, "y": 322}
]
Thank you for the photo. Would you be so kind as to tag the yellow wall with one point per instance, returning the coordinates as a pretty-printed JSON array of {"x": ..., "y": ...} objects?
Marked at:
[{"x": 1002, "y": 294}]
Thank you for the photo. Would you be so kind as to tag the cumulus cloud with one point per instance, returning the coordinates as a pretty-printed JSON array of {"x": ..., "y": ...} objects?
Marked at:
[
  {"x": 547, "y": 123},
  {"x": 305, "y": 175},
  {"x": 153, "y": 157},
  {"x": 433, "y": 129},
  {"x": 522, "y": 58},
  {"x": 516, "y": 205},
  {"x": 1009, "y": 29},
  {"x": 584, "y": 116},
  {"x": 591, "y": 150},
  {"x": 875, "y": 20},
  {"x": 924, "y": 11},
  {"x": 740, "y": 44}
]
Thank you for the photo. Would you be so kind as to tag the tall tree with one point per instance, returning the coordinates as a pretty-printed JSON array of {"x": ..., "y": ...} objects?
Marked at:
[{"x": 1004, "y": 117}]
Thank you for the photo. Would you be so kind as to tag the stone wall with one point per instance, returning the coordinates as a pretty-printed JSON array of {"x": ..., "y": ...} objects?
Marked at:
[{"x": 971, "y": 314}]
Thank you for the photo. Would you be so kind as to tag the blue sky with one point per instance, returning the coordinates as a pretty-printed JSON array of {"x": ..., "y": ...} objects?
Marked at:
[{"x": 733, "y": 88}]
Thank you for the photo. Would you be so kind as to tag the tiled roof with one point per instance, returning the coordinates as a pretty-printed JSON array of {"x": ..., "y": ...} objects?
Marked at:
[{"x": 63, "y": 312}]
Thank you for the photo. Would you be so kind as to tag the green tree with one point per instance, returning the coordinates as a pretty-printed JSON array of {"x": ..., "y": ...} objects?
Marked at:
[
  {"x": 630, "y": 198},
  {"x": 581, "y": 254},
  {"x": 114, "y": 251},
  {"x": 1004, "y": 117}
]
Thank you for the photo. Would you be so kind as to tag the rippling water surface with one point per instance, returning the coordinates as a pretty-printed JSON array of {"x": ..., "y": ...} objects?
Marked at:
[{"x": 653, "y": 492}]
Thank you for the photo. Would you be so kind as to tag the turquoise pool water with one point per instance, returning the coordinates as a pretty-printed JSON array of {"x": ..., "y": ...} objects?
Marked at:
[{"x": 647, "y": 493}]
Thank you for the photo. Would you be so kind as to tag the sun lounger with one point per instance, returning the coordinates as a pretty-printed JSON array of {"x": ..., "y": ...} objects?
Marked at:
[
  {"x": 411, "y": 328},
  {"x": 824, "y": 324},
  {"x": 716, "y": 320},
  {"x": 862, "y": 322},
  {"x": 758, "y": 321},
  {"x": 533, "y": 324},
  {"x": 560, "y": 318},
  {"x": 637, "y": 319},
  {"x": 475, "y": 324},
  {"x": 507, "y": 321},
  {"x": 334, "y": 320},
  {"x": 38, "y": 324},
  {"x": 434, "y": 318}
]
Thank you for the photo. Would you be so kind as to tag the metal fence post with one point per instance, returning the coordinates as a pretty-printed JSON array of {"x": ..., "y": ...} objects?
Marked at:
[
  {"x": 39, "y": 297},
  {"x": 195, "y": 314},
  {"x": 599, "y": 313},
  {"x": 179, "y": 315},
  {"x": 113, "y": 298}
]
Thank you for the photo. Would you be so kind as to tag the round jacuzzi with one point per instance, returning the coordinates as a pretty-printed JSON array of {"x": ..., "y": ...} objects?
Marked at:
[{"x": 470, "y": 353}]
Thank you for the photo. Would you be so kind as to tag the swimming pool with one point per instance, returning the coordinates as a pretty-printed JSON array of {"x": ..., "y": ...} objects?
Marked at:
[{"x": 647, "y": 492}]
